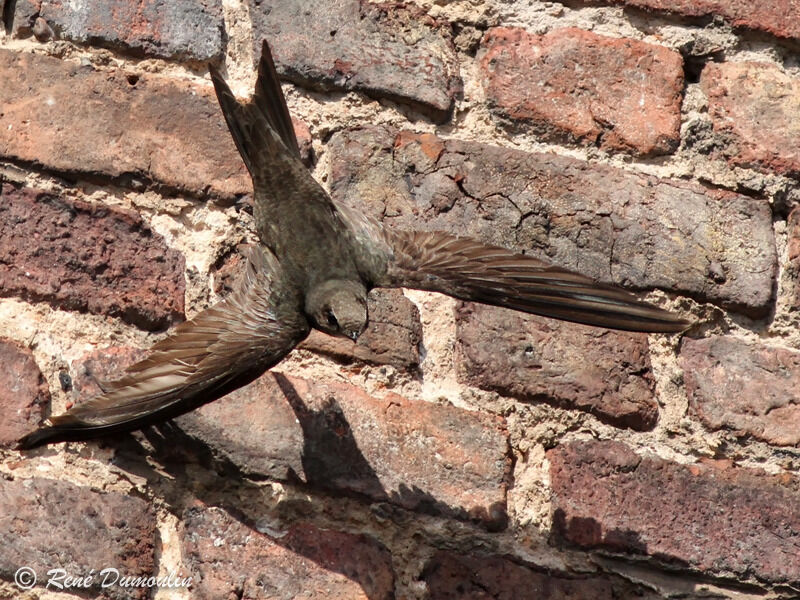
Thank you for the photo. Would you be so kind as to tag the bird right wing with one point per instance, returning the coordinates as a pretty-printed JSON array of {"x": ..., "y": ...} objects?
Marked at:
[
  {"x": 219, "y": 350},
  {"x": 470, "y": 270}
]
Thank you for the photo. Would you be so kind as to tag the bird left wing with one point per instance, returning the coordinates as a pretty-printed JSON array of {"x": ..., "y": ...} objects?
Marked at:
[
  {"x": 219, "y": 350},
  {"x": 473, "y": 271}
]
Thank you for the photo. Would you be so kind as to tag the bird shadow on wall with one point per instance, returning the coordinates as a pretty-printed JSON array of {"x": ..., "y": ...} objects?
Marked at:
[{"x": 183, "y": 470}]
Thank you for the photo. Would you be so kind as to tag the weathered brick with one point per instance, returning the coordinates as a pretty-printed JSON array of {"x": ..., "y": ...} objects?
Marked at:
[
  {"x": 778, "y": 17},
  {"x": 24, "y": 395},
  {"x": 47, "y": 524},
  {"x": 417, "y": 455},
  {"x": 229, "y": 559},
  {"x": 389, "y": 50},
  {"x": 79, "y": 256},
  {"x": 76, "y": 120},
  {"x": 717, "y": 520},
  {"x": 752, "y": 389},
  {"x": 606, "y": 373},
  {"x": 618, "y": 94},
  {"x": 451, "y": 576},
  {"x": 634, "y": 230},
  {"x": 755, "y": 106},
  {"x": 179, "y": 29},
  {"x": 392, "y": 338}
]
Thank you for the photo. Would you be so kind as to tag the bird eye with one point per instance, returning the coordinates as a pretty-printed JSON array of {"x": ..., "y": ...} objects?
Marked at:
[{"x": 331, "y": 318}]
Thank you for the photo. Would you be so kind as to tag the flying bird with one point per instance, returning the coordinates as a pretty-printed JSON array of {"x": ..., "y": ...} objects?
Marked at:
[{"x": 316, "y": 262}]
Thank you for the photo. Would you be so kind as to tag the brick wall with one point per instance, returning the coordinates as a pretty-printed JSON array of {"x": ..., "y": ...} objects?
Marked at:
[{"x": 457, "y": 451}]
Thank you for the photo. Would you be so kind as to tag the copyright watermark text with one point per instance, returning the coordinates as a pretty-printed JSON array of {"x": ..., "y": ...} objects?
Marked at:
[{"x": 59, "y": 579}]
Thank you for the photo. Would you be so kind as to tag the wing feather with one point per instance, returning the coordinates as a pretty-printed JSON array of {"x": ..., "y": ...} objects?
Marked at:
[
  {"x": 222, "y": 348},
  {"x": 470, "y": 270}
]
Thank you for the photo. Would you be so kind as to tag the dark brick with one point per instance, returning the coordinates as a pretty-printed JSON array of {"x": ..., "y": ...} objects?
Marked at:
[
  {"x": 47, "y": 524},
  {"x": 606, "y": 373},
  {"x": 706, "y": 517},
  {"x": 79, "y": 256},
  {"x": 754, "y": 105},
  {"x": 635, "y": 230},
  {"x": 618, "y": 94},
  {"x": 388, "y": 50},
  {"x": 75, "y": 120},
  {"x": 24, "y": 395},
  {"x": 179, "y": 29},
  {"x": 778, "y": 17},
  {"x": 392, "y": 338},
  {"x": 451, "y": 576},
  {"x": 751, "y": 389},
  {"x": 230, "y": 560}
]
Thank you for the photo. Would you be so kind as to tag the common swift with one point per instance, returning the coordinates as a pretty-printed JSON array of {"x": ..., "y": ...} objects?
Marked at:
[{"x": 316, "y": 263}]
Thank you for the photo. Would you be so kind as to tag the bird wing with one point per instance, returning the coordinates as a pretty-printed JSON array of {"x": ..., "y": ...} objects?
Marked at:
[
  {"x": 470, "y": 270},
  {"x": 221, "y": 349}
]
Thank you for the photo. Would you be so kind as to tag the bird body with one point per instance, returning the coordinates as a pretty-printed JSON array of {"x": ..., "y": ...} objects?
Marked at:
[{"x": 314, "y": 267}]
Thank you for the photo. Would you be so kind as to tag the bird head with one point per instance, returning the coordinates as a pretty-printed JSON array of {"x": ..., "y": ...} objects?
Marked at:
[{"x": 339, "y": 307}]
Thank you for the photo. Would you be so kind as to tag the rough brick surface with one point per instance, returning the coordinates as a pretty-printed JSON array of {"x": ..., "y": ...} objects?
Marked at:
[
  {"x": 24, "y": 395},
  {"x": 386, "y": 50},
  {"x": 606, "y": 496},
  {"x": 635, "y": 230},
  {"x": 606, "y": 373},
  {"x": 755, "y": 106},
  {"x": 749, "y": 388},
  {"x": 228, "y": 559},
  {"x": 135, "y": 129},
  {"x": 451, "y": 576},
  {"x": 417, "y": 455},
  {"x": 84, "y": 257},
  {"x": 47, "y": 524},
  {"x": 179, "y": 29},
  {"x": 618, "y": 94},
  {"x": 778, "y": 17},
  {"x": 392, "y": 338}
]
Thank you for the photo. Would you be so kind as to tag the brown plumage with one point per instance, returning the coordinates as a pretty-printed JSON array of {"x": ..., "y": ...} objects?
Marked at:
[{"x": 317, "y": 262}]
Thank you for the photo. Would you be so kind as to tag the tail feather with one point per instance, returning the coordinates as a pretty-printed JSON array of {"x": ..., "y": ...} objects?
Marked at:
[{"x": 262, "y": 127}]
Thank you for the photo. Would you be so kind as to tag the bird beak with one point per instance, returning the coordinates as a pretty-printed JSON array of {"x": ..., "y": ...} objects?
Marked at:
[{"x": 354, "y": 335}]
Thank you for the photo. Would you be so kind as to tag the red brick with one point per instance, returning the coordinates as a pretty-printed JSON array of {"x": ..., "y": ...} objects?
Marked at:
[
  {"x": 751, "y": 389},
  {"x": 387, "y": 50},
  {"x": 634, "y": 230},
  {"x": 79, "y": 256},
  {"x": 24, "y": 395},
  {"x": 606, "y": 373},
  {"x": 134, "y": 129},
  {"x": 182, "y": 29},
  {"x": 303, "y": 562},
  {"x": 754, "y": 105},
  {"x": 47, "y": 524},
  {"x": 451, "y": 576},
  {"x": 618, "y": 94},
  {"x": 778, "y": 17},
  {"x": 417, "y": 455},
  {"x": 707, "y": 518}
]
